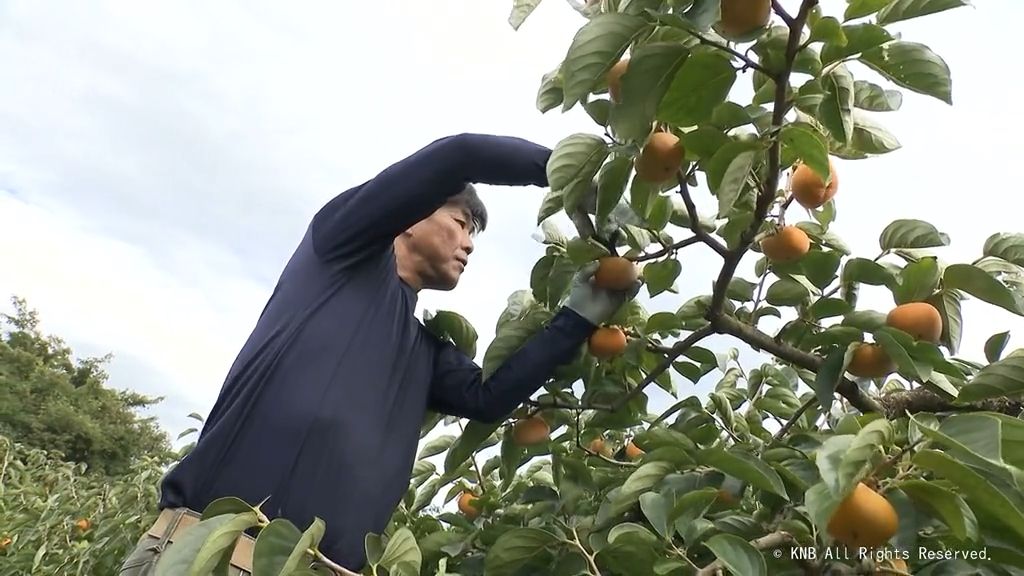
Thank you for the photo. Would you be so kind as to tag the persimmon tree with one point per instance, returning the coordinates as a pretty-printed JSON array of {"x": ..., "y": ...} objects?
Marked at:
[{"x": 862, "y": 444}]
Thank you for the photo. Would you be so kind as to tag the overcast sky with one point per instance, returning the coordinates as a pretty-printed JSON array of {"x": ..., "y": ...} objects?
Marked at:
[{"x": 160, "y": 160}]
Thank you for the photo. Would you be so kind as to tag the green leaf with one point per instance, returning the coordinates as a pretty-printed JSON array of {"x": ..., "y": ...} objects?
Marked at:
[
  {"x": 738, "y": 555},
  {"x": 917, "y": 281},
  {"x": 702, "y": 14},
  {"x": 657, "y": 508},
  {"x": 549, "y": 94},
  {"x": 595, "y": 48},
  {"x": 820, "y": 267},
  {"x": 829, "y": 308},
  {"x": 909, "y": 233},
  {"x": 944, "y": 505},
  {"x": 179, "y": 559},
  {"x": 858, "y": 459},
  {"x": 227, "y": 505},
  {"x": 550, "y": 205},
  {"x": 436, "y": 446},
  {"x": 744, "y": 466},
  {"x": 723, "y": 161},
  {"x": 471, "y": 438},
  {"x": 827, "y": 30},
  {"x": 310, "y": 538},
  {"x": 643, "y": 479},
  {"x": 511, "y": 336},
  {"x": 874, "y": 98},
  {"x": 704, "y": 142},
  {"x": 906, "y": 9},
  {"x": 274, "y": 544},
  {"x": 912, "y": 66},
  {"x": 702, "y": 83},
  {"x": 995, "y": 344},
  {"x": 734, "y": 181},
  {"x": 889, "y": 339},
  {"x": 983, "y": 286},
  {"x": 221, "y": 541},
  {"x": 786, "y": 292},
  {"x": 860, "y": 8},
  {"x": 808, "y": 148},
  {"x": 662, "y": 322},
  {"x": 1009, "y": 247},
  {"x": 1004, "y": 378},
  {"x": 599, "y": 110},
  {"x": 648, "y": 77},
  {"x": 836, "y": 109},
  {"x": 450, "y": 325},
  {"x": 981, "y": 492},
  {"x": 871, "y": 137},
  {"x": 659, "y": 276},
  {"x": 859, "y": 37},
  {"x": 828, "y": 377},
  {"x": 515, "y": 549},
  {"x": 947, "y": 302},
  {"x": 866, "y": 320},
  {"x": 868, "y": 272},
  {"x": 573, "y": 164},
  {"x": 521, "y": 10},
  {"x": 402, "y": 549}
]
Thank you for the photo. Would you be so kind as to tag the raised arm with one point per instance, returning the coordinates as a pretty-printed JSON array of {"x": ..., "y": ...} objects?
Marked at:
[
  {"x": 377, "y": 211},
  {"x": 458, "y": 388}
]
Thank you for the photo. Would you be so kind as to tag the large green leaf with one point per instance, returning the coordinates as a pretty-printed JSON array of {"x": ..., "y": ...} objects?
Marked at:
[
  {"x": 873, "y": 98},
  {"x": 870, "y": 137},
  {"x": 515, "y": 549},
  {"x": 983, "y": 286},
  {"x": 827, "y": 379},
  {"x": 910, "y": 233},
  {"x": 858, "y": 458},
  {"x": 661, "y": 275},
  {"x": 947, "y": 302},
  {"x": 786, "y": 292},
  {"x": 178, "y": 559},
  {"x": 744, "y": 466},
  {"x": 836, "y": 109},
  {"x": 221, "y": 542},
  {"x": 274, "y": 545},
  {"x": 944, "y": 505},
  {"x": 595, "y": 48},
  {"x": 643, "y": 479},
  {"x": 471, "y": 438},
  {"x": 648, "y": 77},
  {"x": 859, "y": 37},
  {"x": 982, "y": 493},
  {"x": 436, "y": 446},
  {"x": 446, "y": 324},
  {"x": 738, "y": 555},
  {"x": 1004, "y": 378},
  {"x": 867, "y": 272},
  {"x": 573, "y": 164},
  {"x": 402, "y": 549},
  {"x": 510, "y": 337},
  {"x": 917, "y": 281},
  {"x": 702, "y": 83},
  {"x": 914, "y": 67},
  {"x": 611, "y": 185},
  {"x": 808, "y": 148},
  {"x": 1009, "y": 247},
  {"x": 734, "y": 181},
  {"x": 995, "y": 344},
  {"x": 900, "y": 10}
]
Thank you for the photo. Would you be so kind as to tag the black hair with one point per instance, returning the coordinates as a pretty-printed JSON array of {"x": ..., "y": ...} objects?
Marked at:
[{"x": 469, "y": 200}]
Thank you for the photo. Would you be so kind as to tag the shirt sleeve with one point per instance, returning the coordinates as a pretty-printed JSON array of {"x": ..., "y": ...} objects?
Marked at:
[
  {"x": 458, "y": 389},
  {"x": 375, "y": 212}
]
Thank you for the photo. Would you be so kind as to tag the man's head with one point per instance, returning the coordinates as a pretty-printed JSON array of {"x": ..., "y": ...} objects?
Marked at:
[{"x": 433, "y": 253}]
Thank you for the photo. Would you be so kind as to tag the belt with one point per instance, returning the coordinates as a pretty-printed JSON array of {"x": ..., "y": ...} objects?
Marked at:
[{"x": 180, "y": 520}]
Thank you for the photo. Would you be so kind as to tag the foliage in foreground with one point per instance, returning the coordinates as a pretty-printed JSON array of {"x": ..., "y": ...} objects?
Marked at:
[{"x": 927, "y": 453}]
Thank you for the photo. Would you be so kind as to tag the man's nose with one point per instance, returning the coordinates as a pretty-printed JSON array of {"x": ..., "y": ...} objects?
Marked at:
[{"x": 467, "y": 244}]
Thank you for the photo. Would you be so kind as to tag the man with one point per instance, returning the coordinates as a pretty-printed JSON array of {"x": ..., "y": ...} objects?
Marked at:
[{"x": 321, "y": 411}]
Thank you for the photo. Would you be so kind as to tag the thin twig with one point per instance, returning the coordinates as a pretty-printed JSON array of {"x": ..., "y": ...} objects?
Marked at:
[
  {"x": 668, "y": 249},
  {"x": 747, "y": 61},
  {"x": 796, "y": 416},
  {"x": 777, "y": 6},
  {"x": 677, "y": 350},
  {"x": 558, "y": 404},
  {"x": 691, "y": 211}
]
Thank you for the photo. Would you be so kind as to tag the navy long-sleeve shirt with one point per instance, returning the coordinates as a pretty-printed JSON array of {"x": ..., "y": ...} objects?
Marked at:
[{"x": 321, "y": 410}]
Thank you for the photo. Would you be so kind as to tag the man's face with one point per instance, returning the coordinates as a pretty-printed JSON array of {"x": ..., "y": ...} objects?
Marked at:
[{"x": 441, "y": 245}]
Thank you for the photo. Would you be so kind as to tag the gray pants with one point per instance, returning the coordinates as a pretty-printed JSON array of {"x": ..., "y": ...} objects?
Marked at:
[{"x": 142, "y": 561}]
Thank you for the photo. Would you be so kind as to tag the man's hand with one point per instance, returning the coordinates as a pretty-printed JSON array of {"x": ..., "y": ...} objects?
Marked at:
[{"x": 595, "y": 304}]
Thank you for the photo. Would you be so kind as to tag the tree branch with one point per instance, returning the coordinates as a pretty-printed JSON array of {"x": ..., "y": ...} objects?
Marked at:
[
  {"x": 773, "y": 540},
  {"x": 747, "y": 61},
  {"x": 668, "y": 249},
  {"x": 691, "y": 212},
  {"x": 555, "y": 403},
  {"x": 761, "y": 341},
  {"x": 796, "y": 416},
  {"x": 676, "y": 351},
  {"x": 777, "y": 6}
]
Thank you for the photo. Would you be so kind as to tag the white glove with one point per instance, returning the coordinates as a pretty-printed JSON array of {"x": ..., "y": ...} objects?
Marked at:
[{"x": 595, "y": 304}]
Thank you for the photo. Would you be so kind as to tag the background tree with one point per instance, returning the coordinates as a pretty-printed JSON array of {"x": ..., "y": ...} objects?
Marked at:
[{"x": 52, "y": 402}]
